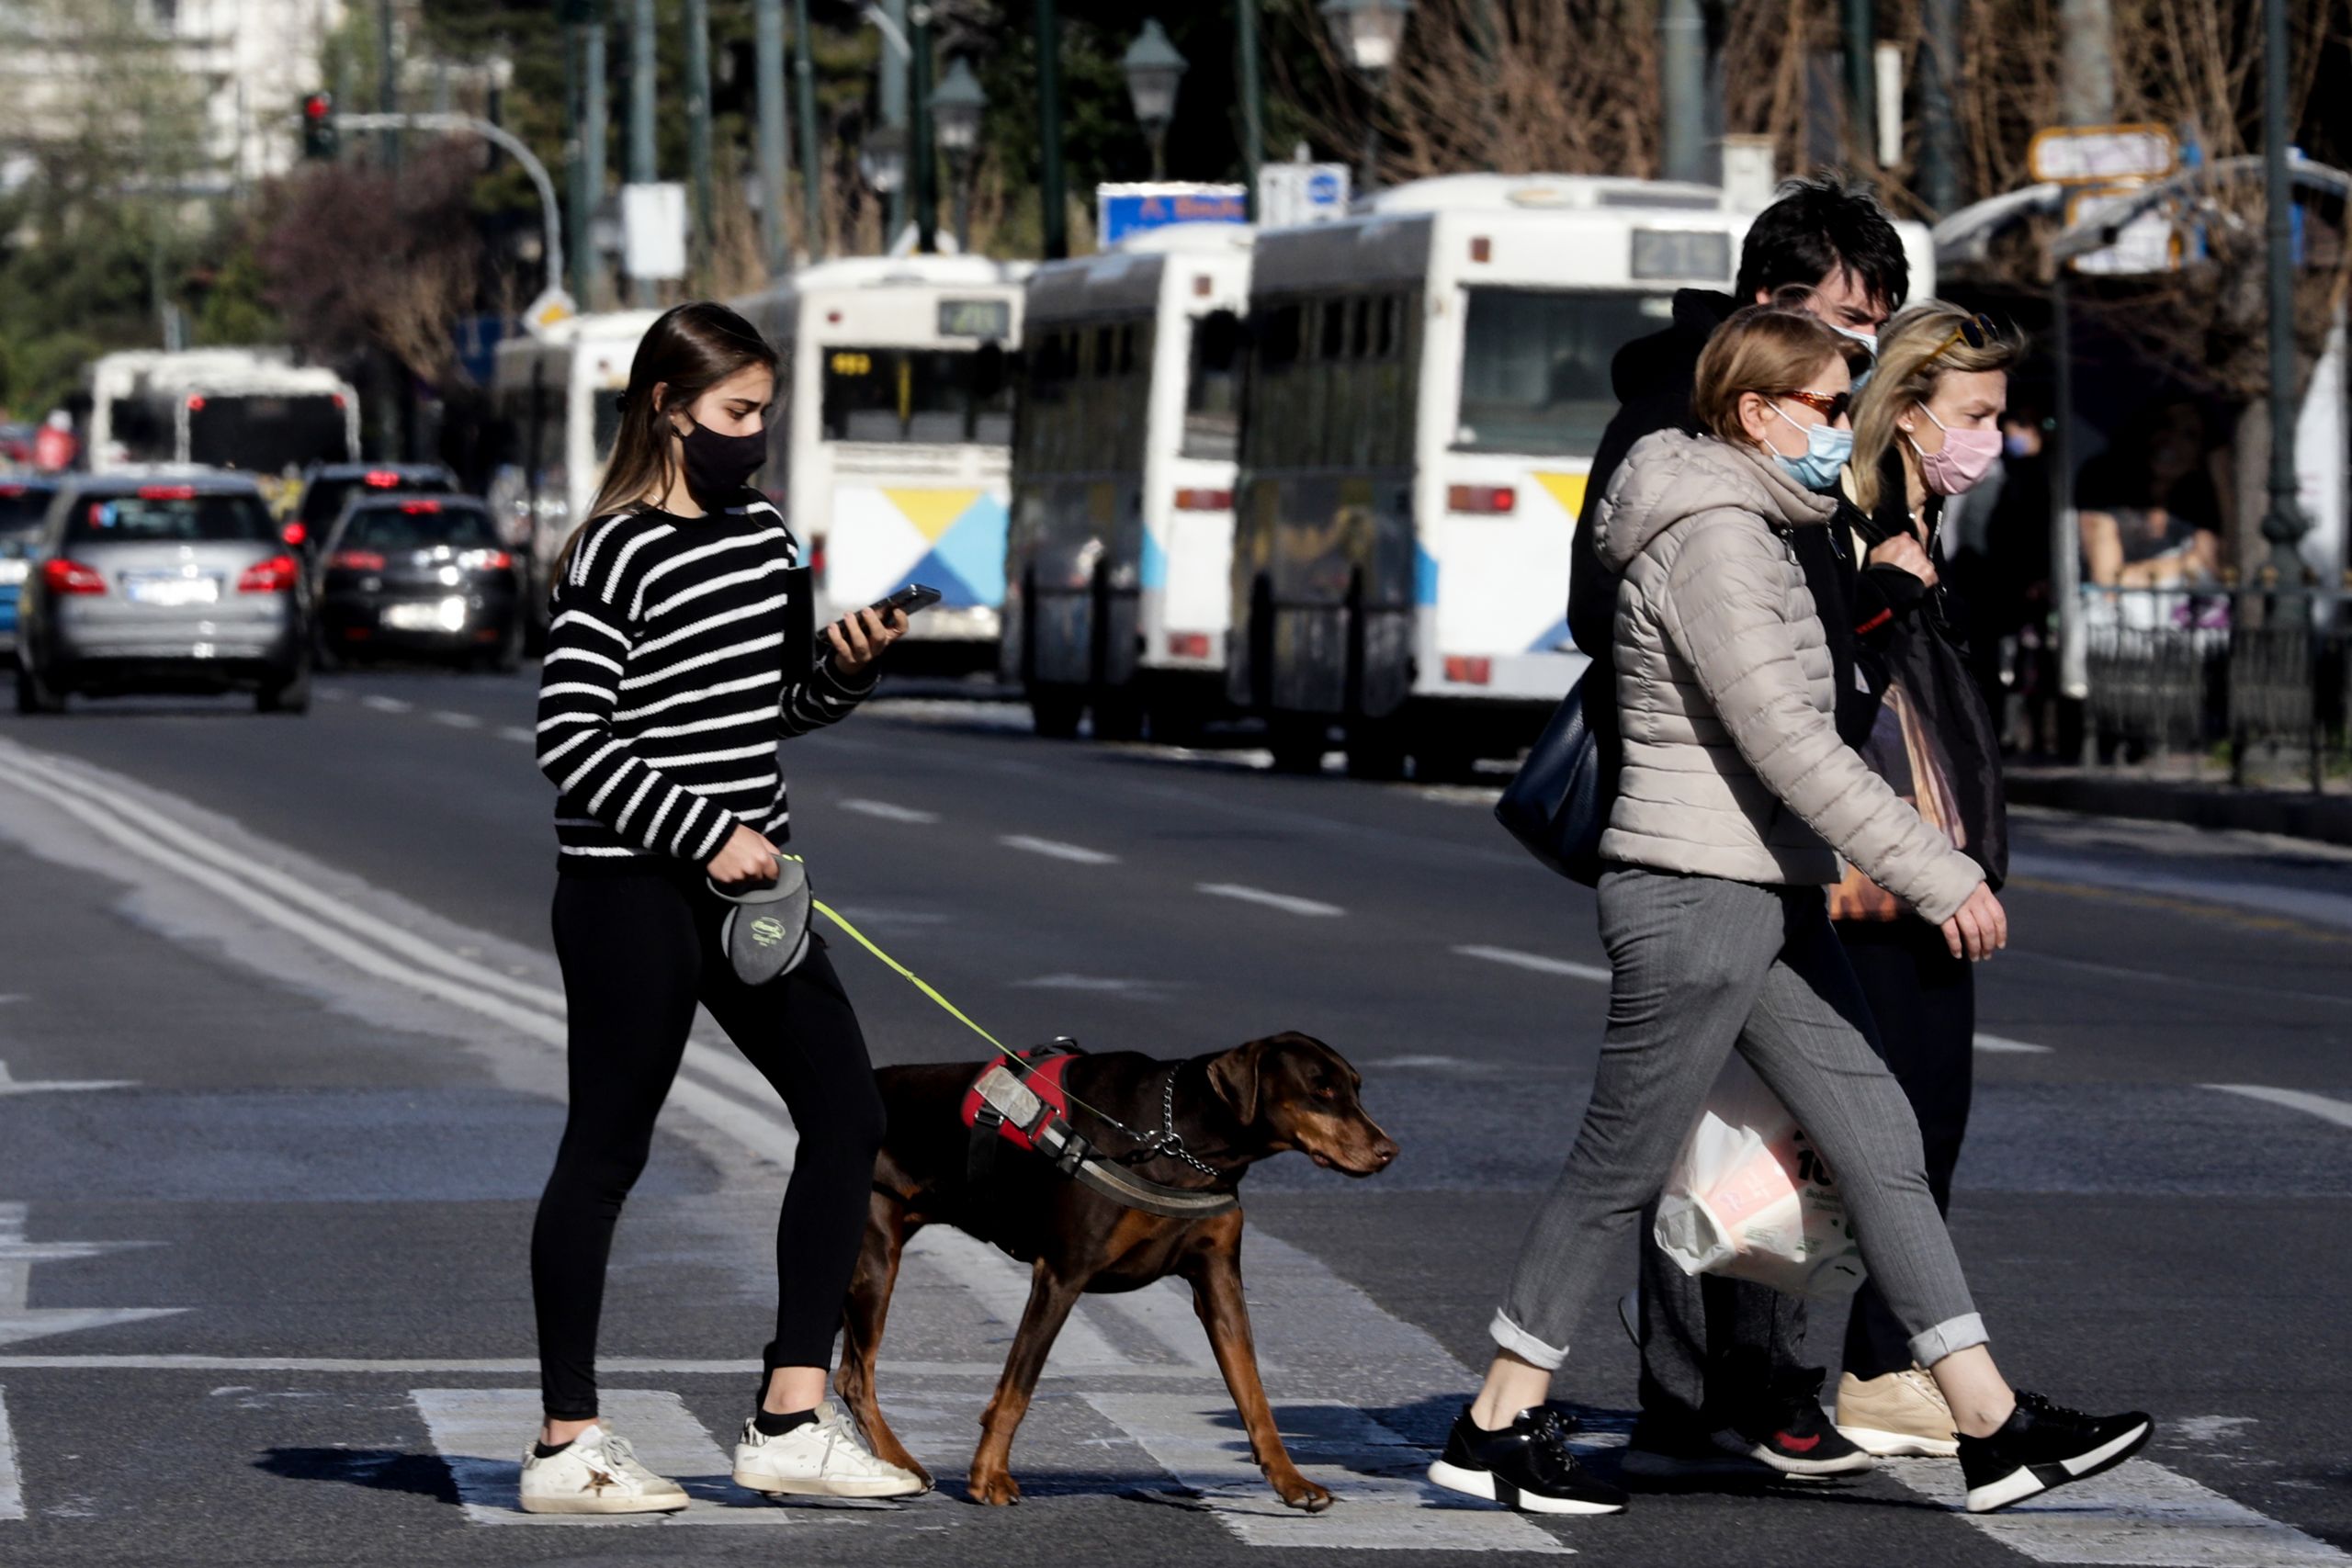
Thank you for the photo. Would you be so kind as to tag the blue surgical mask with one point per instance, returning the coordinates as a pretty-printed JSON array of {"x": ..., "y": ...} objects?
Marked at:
[{"x": 1827, "y": 449}]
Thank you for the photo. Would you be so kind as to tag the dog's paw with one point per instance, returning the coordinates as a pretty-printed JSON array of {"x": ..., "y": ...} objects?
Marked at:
[
  {"x": 1302, "y": 1494},
  {"x": 997, "y": 1489}
]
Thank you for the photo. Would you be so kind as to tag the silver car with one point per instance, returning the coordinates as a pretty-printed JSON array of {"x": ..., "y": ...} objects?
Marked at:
[{"x": 163, "y": 583}]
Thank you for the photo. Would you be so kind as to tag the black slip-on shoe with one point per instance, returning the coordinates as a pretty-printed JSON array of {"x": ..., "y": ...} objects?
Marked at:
[
  {"x": 2044, "y": 1445},
  {"x": 1792, "y": 1434},
  {"x": 1527, "y": 1465}
]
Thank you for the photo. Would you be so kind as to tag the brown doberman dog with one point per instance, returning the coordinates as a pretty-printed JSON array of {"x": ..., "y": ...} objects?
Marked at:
[{"x": 1233, "y": 1109}]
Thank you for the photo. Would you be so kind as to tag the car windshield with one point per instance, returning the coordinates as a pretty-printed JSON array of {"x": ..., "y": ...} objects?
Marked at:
[
  {"x": 913, "y": 394},
  {"x": 164, "y": 514},
  {"x": 22, "y": 507},
  {"x": 1535, "y": 366},
  {"x": 386, "y": 529},
  {"x": 265, "y": 434},
  {"x": 322, "y": 502}
]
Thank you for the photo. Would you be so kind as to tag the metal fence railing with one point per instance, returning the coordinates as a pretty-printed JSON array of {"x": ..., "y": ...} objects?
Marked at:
[{"x": 2174, "y": 670}]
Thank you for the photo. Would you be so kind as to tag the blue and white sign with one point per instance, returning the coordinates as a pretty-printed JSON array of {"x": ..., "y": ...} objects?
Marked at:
[
  {"x": 1293, "y": 193},
  {"x": 1123, "y": 211}
]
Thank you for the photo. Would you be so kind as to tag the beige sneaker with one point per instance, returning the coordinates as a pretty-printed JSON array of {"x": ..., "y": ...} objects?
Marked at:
[
  {"x": 1900, "y": 1413},
  {"x": 595, "y": 1474}
]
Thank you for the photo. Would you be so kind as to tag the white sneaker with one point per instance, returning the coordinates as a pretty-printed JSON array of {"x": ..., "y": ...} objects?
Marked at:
[
  {"x": 825, "y": 1458},
  {"x": 595, "y": 1474}
]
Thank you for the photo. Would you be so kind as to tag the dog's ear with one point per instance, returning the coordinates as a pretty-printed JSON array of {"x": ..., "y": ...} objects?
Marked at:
[{"x": 1234, "y": 1079}]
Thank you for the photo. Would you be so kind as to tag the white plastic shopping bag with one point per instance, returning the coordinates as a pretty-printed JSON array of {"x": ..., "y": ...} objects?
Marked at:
[{"x": 1750, "y": 1197}]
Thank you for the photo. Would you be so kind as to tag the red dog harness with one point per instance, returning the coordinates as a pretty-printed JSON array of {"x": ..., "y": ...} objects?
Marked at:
[{"x": 1021, "y": 1099}]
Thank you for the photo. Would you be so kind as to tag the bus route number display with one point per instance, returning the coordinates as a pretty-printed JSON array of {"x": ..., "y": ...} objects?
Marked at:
[
  {"x": 851, "y": 363},
  {"x": 976, "y": 318},
  {"x": 1661, "y": 253}
]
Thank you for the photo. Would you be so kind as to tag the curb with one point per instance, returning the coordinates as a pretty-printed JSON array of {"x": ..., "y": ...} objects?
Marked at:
[{"x": 2324, "y": 818}]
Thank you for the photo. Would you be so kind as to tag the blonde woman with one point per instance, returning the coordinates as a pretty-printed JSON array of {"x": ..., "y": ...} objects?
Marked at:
[{"x": 1926, "y": 427}]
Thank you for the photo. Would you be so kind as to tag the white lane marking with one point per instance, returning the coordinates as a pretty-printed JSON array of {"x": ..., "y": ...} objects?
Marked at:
[
  {"x": 479, "y": 1433},
  {"x": 58, "y": 1085},
  {"x": 1100, "y": 984},
  {"x": 2139, "y": 1513},
  {"x": 1285, "y": 902},
  {"x": 455, "y": 719},
  {"x": 1385, "y": 1504},
  {"x": 2001, "y": 1045},
  {"x": 12, "y": 1486},
  {"x": 888, "y": 812},
  {"x": 1537, "y": 962},
  {"x": 517, "y": 734},
  {"x": 1053, "y": 849},
  {"x": 2318, "y": 1105},
  {"x": 18, "y": 1321},
  {"x": 387, "y": 705},
  {"x": 2275, "y": 900}
]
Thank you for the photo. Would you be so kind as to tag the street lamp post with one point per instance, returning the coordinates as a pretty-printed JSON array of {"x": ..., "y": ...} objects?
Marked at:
[
  {"x": 1368, "y": 33},
  {"x": 1153, "y": 69},
  {"x": 955, "y": 110}
]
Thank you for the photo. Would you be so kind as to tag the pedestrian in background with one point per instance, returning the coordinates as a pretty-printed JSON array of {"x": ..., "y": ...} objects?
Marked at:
[
  {"x": 1926, "y": 429},
  {"x": 1725, "y": 1384},
  {"x": 669, "y": 679},
  {"x": 1735, "y": 801}
]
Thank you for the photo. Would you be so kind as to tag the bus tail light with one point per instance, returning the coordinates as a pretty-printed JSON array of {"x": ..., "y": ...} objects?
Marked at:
[
  {"x": 1204, "y": 501},
  {"x": 275, "y": 575},
  {"x": 1481, "y": 248},
  {"x": 1188, "y": 645},
  {"x": 1466, "y": 672},
  {"x": 194, "y": 405},
  {"x": 1485, "y": 501},
  {"x": 62, "y": 576}
]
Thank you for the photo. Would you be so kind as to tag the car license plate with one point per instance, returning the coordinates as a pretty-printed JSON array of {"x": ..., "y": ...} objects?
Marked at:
[
  {"x": 172, "y": 590},
  {"x": 434, "y": 616}
]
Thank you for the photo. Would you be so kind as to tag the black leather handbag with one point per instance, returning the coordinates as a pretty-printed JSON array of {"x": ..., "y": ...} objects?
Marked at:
[{"x": 1558, "y": 801}]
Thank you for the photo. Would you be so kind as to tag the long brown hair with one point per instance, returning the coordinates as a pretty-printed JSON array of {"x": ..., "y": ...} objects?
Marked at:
[
  {"x": 1909, "y": 370},
  {"x": 689, "y": 349}
]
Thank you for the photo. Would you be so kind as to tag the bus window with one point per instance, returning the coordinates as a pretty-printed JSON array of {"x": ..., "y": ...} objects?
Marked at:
[
  {"x": 1535, "y": 369},
  {"x": 992, "y": 395},
  {"x": 266, "y": 434},
  {"x": 604, "y": 422},
  {"x": 929, "y": 396},
  {"x": 1213, "y": 388},
  {"x": 142, "y": 430}
]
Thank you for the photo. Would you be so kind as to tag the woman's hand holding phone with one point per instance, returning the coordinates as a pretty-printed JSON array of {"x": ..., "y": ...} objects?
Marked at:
[
  {"x": 858, "y": 639},
  {"x": 746, "y": 856}
]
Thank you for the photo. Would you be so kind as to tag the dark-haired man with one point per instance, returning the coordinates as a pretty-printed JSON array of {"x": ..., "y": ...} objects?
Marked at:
[{"x": 1724, "y": 1386}]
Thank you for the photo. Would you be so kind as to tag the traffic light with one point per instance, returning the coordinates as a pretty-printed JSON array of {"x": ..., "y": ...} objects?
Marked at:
[{"x": 318, "y": 125}]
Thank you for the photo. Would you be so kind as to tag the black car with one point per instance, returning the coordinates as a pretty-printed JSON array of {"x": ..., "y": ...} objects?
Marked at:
[
  {"x": 327, "y": 487},
  {"x": 419, "y": 574}
]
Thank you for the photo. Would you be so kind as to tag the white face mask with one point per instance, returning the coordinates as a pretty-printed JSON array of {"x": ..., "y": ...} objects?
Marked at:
[{"x": 1868, "y": 340}]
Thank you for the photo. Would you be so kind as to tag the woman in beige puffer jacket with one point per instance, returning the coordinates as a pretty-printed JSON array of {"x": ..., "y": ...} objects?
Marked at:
[{"x": 1736, "y": 800}]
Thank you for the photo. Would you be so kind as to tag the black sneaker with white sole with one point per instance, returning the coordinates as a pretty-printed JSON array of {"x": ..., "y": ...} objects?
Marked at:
[
  {"x": 1527, "y": 1465},
  {"x": 2044, "y": 1445},
  {"x": 1793, "y": 1435}
]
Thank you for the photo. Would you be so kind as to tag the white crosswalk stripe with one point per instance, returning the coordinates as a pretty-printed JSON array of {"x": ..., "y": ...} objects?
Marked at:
[
  {"x": 2140, "y": 1514},
  {"x": 12, "y": 1486},
  {"x": 480, "y": 1434},
  {"x": 1386, "y": 1503}
]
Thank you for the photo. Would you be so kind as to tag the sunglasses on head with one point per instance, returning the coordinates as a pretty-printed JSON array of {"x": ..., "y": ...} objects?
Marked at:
[
  {"x": 1975, "y": 331},
  {"x": 1831, "y": 406}
]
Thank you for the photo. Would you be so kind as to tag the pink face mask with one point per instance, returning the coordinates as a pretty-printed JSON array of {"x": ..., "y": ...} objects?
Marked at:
[{"x": 1967, "y": 456}]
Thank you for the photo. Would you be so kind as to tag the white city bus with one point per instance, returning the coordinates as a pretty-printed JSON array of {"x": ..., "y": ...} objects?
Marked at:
[
  {"x": 554, "y": 414},
  {"x": 891, "y": 443},
  {"x": 249, "y": 409},
  {"x": 1121, "y": 550},
  {"x": 1429, "y": 379}
]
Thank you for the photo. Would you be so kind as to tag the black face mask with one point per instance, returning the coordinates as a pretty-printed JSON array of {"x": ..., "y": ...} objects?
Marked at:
[{"x": 717, "y": 465}]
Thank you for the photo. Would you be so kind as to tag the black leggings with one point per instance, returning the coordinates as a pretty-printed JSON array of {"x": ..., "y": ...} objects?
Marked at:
[
  {"x": 638, "y": 953},
  {"x": 1925, "y": 1002}
]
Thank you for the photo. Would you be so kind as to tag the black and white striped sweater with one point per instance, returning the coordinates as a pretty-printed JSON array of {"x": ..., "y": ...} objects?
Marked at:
[{"x": 662, "y": 696}]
